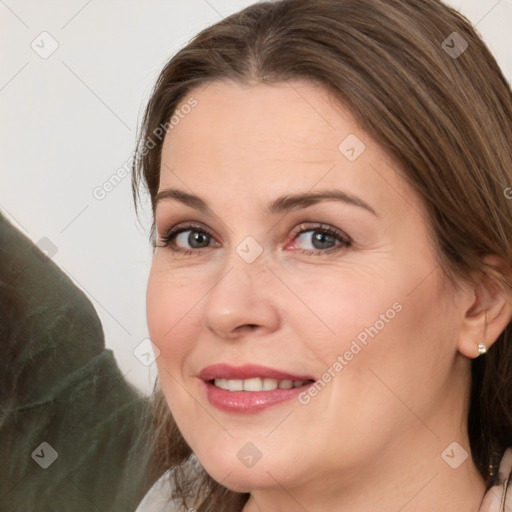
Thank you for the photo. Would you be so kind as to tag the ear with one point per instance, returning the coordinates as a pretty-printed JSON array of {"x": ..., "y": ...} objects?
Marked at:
[{"x": 489, "y": 313}]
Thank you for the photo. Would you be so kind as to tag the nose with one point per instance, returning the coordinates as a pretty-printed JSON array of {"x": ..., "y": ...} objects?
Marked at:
[{"x": 241, "y": 301}]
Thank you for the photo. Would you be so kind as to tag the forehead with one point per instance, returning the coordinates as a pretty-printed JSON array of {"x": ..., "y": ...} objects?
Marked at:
[
  {"x": 262, "y": 139},
  {"x": 297, "y": 121}
]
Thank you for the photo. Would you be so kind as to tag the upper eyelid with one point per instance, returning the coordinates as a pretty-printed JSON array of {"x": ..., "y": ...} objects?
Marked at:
[{"x": 184, "y": 226}]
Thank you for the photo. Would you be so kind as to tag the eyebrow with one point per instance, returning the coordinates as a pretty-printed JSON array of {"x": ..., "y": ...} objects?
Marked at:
[{"x": 282, "y": 204}]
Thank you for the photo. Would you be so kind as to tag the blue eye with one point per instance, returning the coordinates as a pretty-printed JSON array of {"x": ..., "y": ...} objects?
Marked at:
[
  {"x": 311, "y": 239},
  {"x": 194, "y": 238},
  {"x": 185, "y": 238},
  {"x": 320, "y": 239}
]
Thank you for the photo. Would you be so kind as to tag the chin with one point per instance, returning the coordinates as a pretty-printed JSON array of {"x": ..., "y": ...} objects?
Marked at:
[
  {"x": 247, "y": 480},
  {"x": 224, "y": 465}
]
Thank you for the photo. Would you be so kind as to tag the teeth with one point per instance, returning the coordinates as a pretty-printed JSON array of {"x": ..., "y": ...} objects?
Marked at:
[
  {"x": 256, "y": 384},
  {"x": 286, "y": 384},
  {"x": 269, "y": 384},
  {"x": 221, "y": 383},
  {"x": 235, "y": 385},
  {"x": 253, "y": 384}
]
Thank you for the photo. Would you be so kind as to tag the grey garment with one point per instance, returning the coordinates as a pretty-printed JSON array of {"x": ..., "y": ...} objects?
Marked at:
[
  {"x": 74, "y": 435},
  {"x": 159, "y": 497}
]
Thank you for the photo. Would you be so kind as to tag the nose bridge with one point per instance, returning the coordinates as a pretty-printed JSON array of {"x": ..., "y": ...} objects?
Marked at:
[
  {"x": 246, "y": 264},
  {"x": 241, "y": 295}
]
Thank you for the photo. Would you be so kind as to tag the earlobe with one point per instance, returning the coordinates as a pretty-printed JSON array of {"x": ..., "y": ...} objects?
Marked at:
[
  {"x": 473, "y": 339},
  {"x": 488, "y": 315}
]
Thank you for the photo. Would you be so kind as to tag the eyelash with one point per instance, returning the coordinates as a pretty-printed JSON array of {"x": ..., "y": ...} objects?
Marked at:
[{"x": 173, "y": 232}]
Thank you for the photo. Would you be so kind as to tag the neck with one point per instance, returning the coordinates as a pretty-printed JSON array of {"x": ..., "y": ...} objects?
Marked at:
[{"x": 422, "y": 482}]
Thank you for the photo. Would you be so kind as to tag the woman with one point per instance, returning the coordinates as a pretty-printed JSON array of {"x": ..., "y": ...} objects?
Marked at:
[{"x": 330, "y": 292}]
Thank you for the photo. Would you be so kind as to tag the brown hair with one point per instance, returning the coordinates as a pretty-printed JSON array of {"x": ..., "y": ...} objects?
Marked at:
[{"x": 446, "y": 118}]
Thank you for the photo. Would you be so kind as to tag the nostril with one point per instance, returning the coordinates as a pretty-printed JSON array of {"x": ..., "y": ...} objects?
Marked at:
[{"x": 247, "y": 326}]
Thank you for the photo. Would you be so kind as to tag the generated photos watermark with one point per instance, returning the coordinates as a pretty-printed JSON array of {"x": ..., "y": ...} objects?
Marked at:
[
  {"x": 101, "y": 191},
  {"x": 356, "y": 346}
]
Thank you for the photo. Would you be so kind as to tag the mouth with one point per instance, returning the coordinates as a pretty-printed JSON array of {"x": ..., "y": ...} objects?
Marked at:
[{"x": 250, "y": 388}]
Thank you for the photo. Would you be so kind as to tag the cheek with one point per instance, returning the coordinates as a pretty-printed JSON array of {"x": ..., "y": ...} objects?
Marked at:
[
  {"x": 160, "y": 307},
  {"x": 381, "y": 320},
  {"x": 402, "y": 337},
  {"x": 171, "y": 314},
  {"x": 341, "y": 307}
]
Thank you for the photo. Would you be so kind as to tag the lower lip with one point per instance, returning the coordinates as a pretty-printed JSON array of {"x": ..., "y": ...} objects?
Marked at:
[{"x": 249, "y": 402}]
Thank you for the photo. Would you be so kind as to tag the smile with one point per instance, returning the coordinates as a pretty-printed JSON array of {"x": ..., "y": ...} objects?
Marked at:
[{"x": 250, "y": 389}]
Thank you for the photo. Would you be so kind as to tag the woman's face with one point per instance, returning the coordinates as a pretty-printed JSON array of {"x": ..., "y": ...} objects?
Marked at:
[{"x": 302, "y": 259}]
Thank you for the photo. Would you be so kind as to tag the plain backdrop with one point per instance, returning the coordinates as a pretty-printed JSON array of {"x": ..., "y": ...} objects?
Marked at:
[{"x": 75, "y": 76}]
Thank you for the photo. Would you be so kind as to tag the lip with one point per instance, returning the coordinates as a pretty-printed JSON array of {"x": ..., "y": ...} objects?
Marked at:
[{"x": 248, "y": 402}]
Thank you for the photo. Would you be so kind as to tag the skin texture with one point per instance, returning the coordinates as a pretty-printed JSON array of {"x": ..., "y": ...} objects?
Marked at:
[{"x": 372, "y": 439}]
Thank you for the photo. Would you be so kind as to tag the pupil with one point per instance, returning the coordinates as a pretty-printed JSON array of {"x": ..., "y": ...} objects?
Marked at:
[
  {"x": 322, "y": 240},
  {"x": 197, "y": 239}
]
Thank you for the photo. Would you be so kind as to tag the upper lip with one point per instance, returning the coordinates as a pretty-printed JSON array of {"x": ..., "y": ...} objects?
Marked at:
[{"x": 246, "y": 371}]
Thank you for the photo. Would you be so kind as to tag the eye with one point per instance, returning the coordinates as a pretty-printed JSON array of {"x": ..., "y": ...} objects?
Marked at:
[
  {"x": 310, "y": 239},
  {"x": 186, "y": 239},
  {"x": 319, "y": 239}
]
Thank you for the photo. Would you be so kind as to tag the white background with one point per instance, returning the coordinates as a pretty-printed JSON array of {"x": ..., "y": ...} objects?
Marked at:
[{"x": 68, "y": 122}]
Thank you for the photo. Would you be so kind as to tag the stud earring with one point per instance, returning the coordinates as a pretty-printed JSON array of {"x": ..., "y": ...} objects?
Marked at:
[{"x": 481, "y": 349}]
